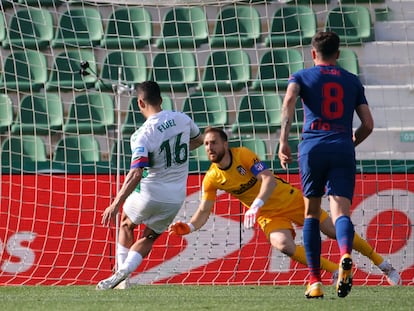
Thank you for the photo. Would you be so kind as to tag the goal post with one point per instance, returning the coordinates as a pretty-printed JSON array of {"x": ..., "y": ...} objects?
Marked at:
[{"x": 67, "y": 111}]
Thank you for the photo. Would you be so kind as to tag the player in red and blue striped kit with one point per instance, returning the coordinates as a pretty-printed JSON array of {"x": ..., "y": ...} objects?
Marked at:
[{"x": 330, "y": 95}]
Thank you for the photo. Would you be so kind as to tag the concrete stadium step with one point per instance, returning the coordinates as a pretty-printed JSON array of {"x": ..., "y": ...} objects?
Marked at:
[
  {"x": 387, "y": 63},
  {"x": 388, "y": 143},
  {"x": 395, "y": 96},
  {"x": 394, "y": 31}
]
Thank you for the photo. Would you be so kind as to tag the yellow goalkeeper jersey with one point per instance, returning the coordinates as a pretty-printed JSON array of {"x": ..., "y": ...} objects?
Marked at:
[{"x": 240, "y": 180}]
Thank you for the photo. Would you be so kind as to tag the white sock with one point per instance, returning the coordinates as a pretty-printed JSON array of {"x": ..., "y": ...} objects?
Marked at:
[
  {"x": 385, "y": 265},
  {"x": 132, "y": 262},
  {"x": 122, "y": 253}
]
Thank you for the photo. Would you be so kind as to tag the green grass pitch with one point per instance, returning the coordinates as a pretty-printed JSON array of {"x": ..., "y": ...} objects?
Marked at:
[{"x": 202, "y": 297}]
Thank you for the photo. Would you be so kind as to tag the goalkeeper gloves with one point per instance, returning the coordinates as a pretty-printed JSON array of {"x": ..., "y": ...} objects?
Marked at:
[
  {"x": 181, "y": 228},
  {"x": 251, "y": 214}
]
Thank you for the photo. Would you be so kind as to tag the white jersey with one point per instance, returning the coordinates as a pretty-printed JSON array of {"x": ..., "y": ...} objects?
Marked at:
[{"x": 162, "y": 145}]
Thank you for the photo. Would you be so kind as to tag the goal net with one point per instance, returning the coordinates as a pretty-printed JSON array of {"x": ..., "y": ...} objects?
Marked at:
[{"x": 67, "y": 111}]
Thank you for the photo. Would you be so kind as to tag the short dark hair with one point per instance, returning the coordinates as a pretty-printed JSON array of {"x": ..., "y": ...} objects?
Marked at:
[
  {"x": 219, "y": 131},
  {"x": 326, "y": 43},
  {"x": 151, "y": 92}
]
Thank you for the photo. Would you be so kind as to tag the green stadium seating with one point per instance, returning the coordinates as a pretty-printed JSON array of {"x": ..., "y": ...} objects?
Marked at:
[
  {"x": 351, "y": 23},
  {"x": 78, "y": 27},
  {"x": 90, "y": 113},
  {"x": 133, "y": 66},
  {"x": 254, "y": 143},
  {"x": 6, "y": 113},
  {"x": 275, "y": 68},
  {"x": 30, "y": 28},
  {"x": 65, "y": 74},
  {"x": 25, "y": 71},
  {"x": 308, "y": 2},
  {"x": 207, "y": 109},
  {"x": 198, "y": 154},
  {"x": 134, "y": 118},
  {"x": 183, "y": 27},
  {"x": 125, "y": 155},
  {"x": 5, "y": 4},
  {"x": 226, "y": 71},
  {"x": 361, "y": 1},
  {"x": 3, "y": 32},
  {"x": 16, "y": 151},
  {"x": 292, "y": 26},
  {"x": 128, "y": 27},
  {"x": 348, "y": 60},
  {"x": 77, "y": 150},
  {"x": 167, "y": 103},
  {"x": 236, "y": 26},
  {"x": 258, "y": 113},
  {"x": 175, "y": 70},
  {"x": 40, "y": 114},
  {"x": 42, "y": 3}
]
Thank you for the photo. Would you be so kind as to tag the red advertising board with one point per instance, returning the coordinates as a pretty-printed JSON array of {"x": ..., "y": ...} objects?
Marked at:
[{"x": 51, "y": 234}]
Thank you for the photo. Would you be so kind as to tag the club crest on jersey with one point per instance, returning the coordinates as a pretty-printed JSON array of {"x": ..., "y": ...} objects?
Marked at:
[
  {"x": 259, "y": 166},
  {"x": 241, "y": 170}
]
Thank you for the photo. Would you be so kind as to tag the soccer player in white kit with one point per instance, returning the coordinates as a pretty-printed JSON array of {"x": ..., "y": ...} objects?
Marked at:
[{"x": 161, "y": 146}]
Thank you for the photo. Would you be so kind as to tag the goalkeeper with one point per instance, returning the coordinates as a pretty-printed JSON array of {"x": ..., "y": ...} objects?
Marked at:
[{"x": 273, "y": 202}]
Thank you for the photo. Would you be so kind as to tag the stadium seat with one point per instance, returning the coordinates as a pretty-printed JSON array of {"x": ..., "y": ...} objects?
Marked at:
[
  {"x": 292, "y": 26},
  {"x": 65, "y": 75},
  {"x": 2, "y": 28},
  {"x": 134, "y": 118},
  {"x": 5, "y": 4},
  {"x": 351, "y": 23},
  {"x": 198, "y": 154},
  {"x": 226, "y": 71},
  {"x": 16, "y": 151},
  {"x": 308, "y": 2},
  {"x": 167, "y": 103},
  {"x": 30, "y": 28},
  {"x": 133, "y": 66},
  {"x": 348, "y": 60},
  {"x": 77, "y": 150},
  {"x": 236, "y": 26},
  {"x": 258, "y": 113},
  {"x": 207, "y": 109},
  {"x": 275, "y": 68},
  {"x": 361, "y": 1},
  {"x": 6, "y": 113},
  {"x": 125, "y": 155},
  {"x": 25, "y": 71},
  {"x": 40, "y": 114},
  {"x": 174, "y": 71},
  {"x": 128, "y": 27},
  {"x": 78, "y": 27},
  {"x": 183, "y": 27},
  {"x": 254, "y": 143},
  {"x": 41, "y": 2},
  {"x": 90, "y": 113}
]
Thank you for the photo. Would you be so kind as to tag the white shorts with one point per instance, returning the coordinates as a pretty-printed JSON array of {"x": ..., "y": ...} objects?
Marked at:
[{"x": 155, "y": 215}]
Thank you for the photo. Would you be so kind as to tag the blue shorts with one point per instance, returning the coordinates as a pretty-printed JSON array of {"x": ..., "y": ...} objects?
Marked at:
[{"x": 333, "y": 170}]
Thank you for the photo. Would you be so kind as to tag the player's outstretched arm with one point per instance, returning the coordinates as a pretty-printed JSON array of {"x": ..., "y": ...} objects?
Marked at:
[{"x": 197, "y": 221}]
